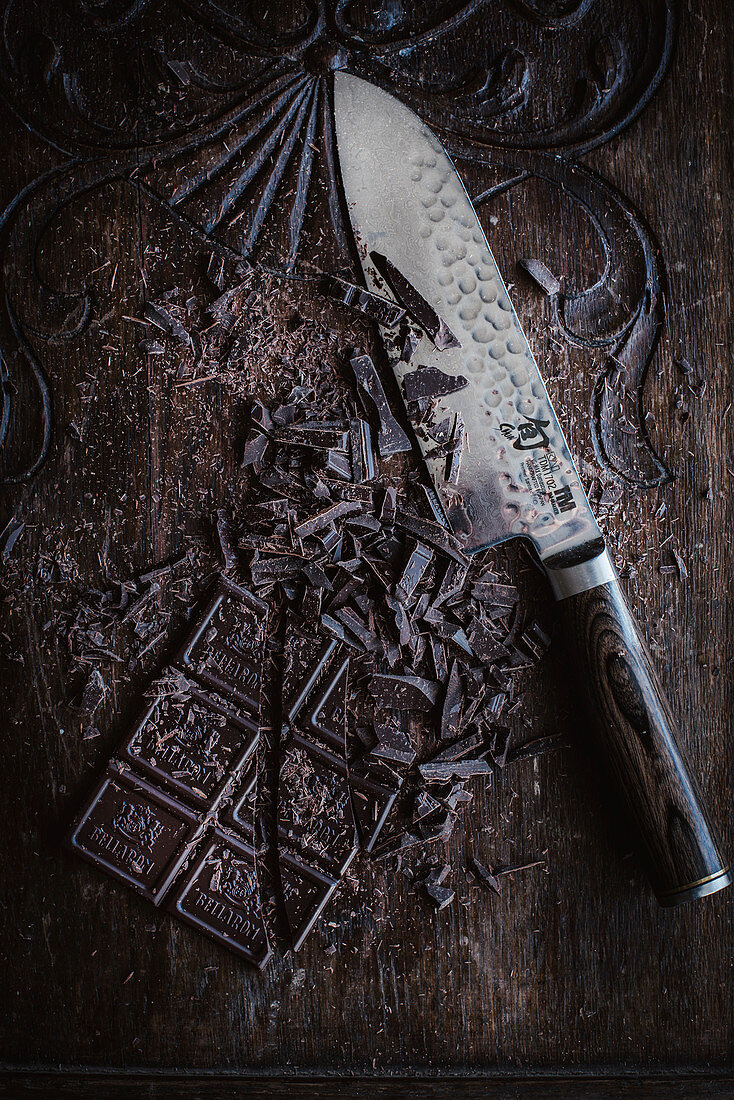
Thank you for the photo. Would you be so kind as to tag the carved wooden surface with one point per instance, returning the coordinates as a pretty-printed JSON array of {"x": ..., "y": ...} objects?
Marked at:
[{"x": 149, "y": 144}]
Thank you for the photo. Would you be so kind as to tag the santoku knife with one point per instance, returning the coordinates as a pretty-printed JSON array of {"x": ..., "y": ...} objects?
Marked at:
[{"x": 501, "y": 466}]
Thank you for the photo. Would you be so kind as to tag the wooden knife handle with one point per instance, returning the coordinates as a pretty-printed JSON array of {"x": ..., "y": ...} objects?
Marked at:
[{"x": 637, "y": 739}]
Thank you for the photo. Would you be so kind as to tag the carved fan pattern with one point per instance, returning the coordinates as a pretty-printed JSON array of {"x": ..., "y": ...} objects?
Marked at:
[{"x": 220, "y": 112}]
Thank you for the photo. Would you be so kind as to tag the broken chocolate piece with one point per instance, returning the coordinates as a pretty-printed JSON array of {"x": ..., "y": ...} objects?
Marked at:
[
  {"x": 484, "y": 875},
  {"x": 306, "y": 891},
  {"x": 391, "y": 439},
  {"x": 425, "y": 383},
  {"x": 403, "y": 692},
  {"x": 416, "y": 305},
  {"x": 327, "y": 517},
  {"x": 452, "y": 705},
  {"x": 458, "y": 769},
  {"x": 419, "y": 560},
  {"x": 374, "y": 306}
]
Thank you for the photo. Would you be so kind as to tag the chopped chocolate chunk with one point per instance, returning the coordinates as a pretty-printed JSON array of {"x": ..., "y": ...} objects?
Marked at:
[
  {"x": 317, "y": 436},
  {"x": 419, "y": 309},
  {"x": 403, "y": 692},
  {"x": 306, "y": 891},
  {"x": 327, "y": 517},
  {"x": 393, "y": 744},
  {"x": 419, "y": 560},
  {"x": 425, "y": 383},
  {"x": 391, "y": 439},
  {"x": 435, "y": 535},
  {"x": 484, "y": 875},
  {"x": 370, "y": 305},
  {"x": 456, "y": 451},
  {"x": 460, "y": 769},
  {"x": 338, "y": 462},
  {"x": 452, "y": 705}
]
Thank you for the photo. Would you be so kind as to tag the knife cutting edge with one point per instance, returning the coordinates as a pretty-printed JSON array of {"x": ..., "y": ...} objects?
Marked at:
[{"x": 510, "y": 473}]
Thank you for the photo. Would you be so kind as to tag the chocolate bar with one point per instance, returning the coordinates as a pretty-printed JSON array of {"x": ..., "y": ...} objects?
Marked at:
[{"x": 174, "y": 818}]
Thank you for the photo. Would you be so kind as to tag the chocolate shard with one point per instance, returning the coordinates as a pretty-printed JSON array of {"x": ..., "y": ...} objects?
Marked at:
[
  {"x": 136, "y": 833},
  {"x": 256, "y": 445},
  {"x": 537, "y": 747},
  {"x": 387, "y": 507},
  {"x": 542, "y": 275},
  {"x": 382, "y": 310},
  {"x": 425, "y": 383},
  {"x": 358, "y": 628},
  {"x": 452, "y": 705},
  {"x": 306, "y": 891},
  {"x": 458, "y": 769},
  {"x": 391, "y": 439},
  {"x": 484, "y": 642},
  {"x": 403, "y": 692},
  {"x": 314, "y": 435},
  {"x": 269, "y": 570},
  {"x": 451, "y": 584},
  {"x": 440, "y": 896},
  {"x": 416, "y": 305},
  {"x": 410, "y": 342},
  {"x": 433, "y": 533},
  {"x": 393, "y": 744},
  {"x": 324, "y": 519},
  {"x": 220, "y": 896},
  {"x": 338, "y": 463},
  {"x": 457, "y": 749},
  {"x": 456, "y": 451},
  {"x": 420, "y": 558},
  {"x": 485, "y": 876}
]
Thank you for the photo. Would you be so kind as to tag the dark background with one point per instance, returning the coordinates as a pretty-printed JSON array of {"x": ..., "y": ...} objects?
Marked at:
[{"x": 574, "y": 970}]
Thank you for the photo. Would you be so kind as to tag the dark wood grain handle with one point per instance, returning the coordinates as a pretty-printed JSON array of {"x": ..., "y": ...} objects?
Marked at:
[{"x": 638, "y": 742}]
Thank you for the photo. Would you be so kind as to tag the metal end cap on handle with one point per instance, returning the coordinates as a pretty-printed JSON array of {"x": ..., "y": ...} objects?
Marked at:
[
  {"x": 569, "y": 580},
  {"x": 709, "y": 885}
]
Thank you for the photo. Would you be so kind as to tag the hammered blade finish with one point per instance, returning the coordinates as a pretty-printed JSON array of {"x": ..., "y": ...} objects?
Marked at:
[{"x": 407, "y": 202}]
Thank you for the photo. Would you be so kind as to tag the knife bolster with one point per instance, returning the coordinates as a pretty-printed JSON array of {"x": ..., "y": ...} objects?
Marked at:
[{"x": 569, "y": 580}]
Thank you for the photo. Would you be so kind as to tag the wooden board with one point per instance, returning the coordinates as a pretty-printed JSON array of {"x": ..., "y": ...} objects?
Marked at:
[{"x": 573, "y": 968}]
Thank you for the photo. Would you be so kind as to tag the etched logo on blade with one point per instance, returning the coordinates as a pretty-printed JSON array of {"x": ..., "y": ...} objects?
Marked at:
[{"x": 528, "y": 435}]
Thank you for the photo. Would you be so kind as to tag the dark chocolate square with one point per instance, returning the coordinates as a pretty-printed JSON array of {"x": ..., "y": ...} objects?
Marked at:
[
  {"x": 190, "y": 740},
  {"x": 315, "y": 807},
  {"x": 219, "y": 895},
  {"x": 224, "y": 652},
  {"x": 135, "y": 833}
]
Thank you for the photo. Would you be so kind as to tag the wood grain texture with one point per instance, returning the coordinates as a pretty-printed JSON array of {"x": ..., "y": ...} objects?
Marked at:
[
  {"x": 573, "y": 969},
  {"x": 637, "y": 745}
]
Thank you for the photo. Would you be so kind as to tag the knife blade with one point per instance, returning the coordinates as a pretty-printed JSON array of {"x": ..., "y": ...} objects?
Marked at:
[{"x": 510, "y": 473}]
